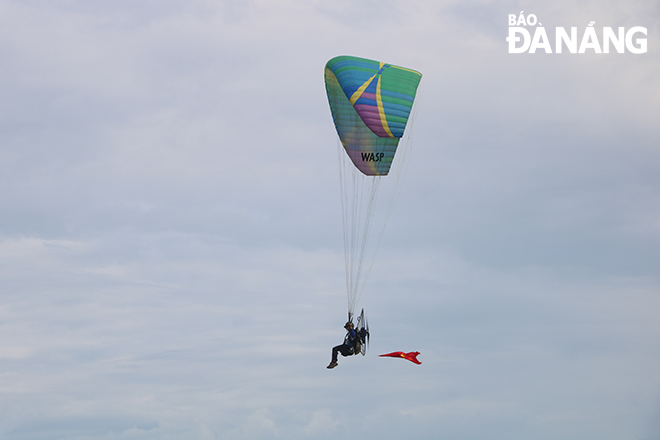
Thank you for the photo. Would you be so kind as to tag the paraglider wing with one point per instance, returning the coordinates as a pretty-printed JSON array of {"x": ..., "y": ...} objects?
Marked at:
[
  {"x": 370, "y": 103},
  {"x": 411, "y": 356}
]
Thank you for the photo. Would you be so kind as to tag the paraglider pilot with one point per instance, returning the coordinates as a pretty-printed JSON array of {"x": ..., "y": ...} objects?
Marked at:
[{"x": 347, "y": 348}]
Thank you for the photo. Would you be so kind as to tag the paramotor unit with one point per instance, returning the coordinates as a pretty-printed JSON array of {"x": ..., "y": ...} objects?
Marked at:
[{"x": 362, "y": 332}]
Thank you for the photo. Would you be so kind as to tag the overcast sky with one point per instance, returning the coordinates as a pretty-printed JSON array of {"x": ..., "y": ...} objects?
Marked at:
[{"x": 171, "y": 260}]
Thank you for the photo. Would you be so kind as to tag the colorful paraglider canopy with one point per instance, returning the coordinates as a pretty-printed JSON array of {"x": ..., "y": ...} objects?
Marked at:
[{"x": 370, "y": 103}]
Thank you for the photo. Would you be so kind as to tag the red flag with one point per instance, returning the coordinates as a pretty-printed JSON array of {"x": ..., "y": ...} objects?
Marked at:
[{"x": 412, "y": 356}]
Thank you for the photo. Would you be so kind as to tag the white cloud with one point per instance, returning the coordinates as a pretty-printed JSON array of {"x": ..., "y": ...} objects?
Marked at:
[
  {"x": 322, "y": 423},
  {"x": 14, "y": 352}
]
